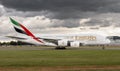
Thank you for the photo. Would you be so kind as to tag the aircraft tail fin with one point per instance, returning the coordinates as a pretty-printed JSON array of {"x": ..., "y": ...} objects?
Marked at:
[{"x": 23, "y": 30}]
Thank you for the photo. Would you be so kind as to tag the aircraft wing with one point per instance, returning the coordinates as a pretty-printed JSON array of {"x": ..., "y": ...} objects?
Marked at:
[
  {"x": 14, "y": 37},
  {"x": 44, "y": 39}
]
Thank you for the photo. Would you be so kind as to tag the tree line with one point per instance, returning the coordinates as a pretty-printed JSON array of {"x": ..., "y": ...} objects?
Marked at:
[{"x": 14, "y": 43}]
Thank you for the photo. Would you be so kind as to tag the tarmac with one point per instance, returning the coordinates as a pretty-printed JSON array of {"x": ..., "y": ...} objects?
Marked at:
[{"x": 29, "y": 47}]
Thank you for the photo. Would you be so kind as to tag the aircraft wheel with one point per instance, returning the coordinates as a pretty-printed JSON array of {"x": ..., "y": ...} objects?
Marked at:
[{"x": 60, "y": 47}]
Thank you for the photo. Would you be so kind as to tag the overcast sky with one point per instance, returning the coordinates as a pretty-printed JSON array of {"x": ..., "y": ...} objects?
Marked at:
[
  {"x": 40, "y": 15},
  {"x": 64, "y": 9}
]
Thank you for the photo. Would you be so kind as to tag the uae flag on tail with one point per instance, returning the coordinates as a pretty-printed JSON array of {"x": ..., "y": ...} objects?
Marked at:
[{"x": 22, "y": 29}]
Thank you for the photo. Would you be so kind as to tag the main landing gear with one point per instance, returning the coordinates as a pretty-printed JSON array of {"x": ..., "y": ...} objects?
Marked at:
[{"x": 60, "y": 47}]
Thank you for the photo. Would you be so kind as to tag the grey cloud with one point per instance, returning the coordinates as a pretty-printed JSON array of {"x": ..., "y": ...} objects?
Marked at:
[
  {"x": 104, "y": 20},
  {"x": 70, "y": 11},
  {"x": 4, "y": 11},
  {"x": 57, "y": 5},
  {"x": 70, "y": 23},
  {"x": 63, "y": 9},
  {"x": 115, "y": 7}
]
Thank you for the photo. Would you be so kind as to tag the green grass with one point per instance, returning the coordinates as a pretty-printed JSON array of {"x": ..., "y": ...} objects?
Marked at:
[
  {"x": 28, "y": 58},
  {"x": 91, "y": 70}
]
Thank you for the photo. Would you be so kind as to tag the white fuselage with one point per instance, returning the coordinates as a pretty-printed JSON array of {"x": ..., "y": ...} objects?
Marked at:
[{"x": 74, "y": 39}]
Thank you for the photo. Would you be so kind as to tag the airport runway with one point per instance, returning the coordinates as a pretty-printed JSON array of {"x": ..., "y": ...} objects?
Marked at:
[{"x": 53, "y": 48}]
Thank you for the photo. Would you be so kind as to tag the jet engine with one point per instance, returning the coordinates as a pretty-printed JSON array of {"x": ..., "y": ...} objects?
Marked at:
[
  {"x": 63, "y": 43},
  {"x": 75, "y": 44}
]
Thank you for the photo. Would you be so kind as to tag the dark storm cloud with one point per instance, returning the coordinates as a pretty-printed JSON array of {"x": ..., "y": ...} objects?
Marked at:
[
  {"x": 54, "y": 5},
  {"x": 67, "y": 23},
  {"x": 71, "y": 11},
  {"x": 64, "y": 8}
]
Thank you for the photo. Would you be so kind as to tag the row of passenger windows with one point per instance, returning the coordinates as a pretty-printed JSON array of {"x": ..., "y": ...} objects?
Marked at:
[{"x": 92, "y": 38}]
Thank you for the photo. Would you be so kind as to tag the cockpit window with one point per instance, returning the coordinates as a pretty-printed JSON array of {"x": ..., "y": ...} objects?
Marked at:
[{"x": 114, "y": 37}]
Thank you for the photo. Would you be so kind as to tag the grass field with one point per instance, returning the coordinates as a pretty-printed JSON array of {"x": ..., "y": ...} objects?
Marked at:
[{"x": 71, "y": 60}]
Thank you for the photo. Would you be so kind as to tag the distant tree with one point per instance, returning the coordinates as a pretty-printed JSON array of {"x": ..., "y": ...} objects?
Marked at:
[{"x": 14, "y": 43}]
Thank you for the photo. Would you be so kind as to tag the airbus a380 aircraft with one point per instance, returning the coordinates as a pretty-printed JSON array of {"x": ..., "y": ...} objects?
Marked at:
[{"x": 58, "y": 40}]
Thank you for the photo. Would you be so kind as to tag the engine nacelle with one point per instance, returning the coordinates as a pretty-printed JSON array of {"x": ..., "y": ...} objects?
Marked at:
[
  {"x": 75, "y": 44},
  {"x": 68, "y": 43},
  {"x": 63, "y": 43}
]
